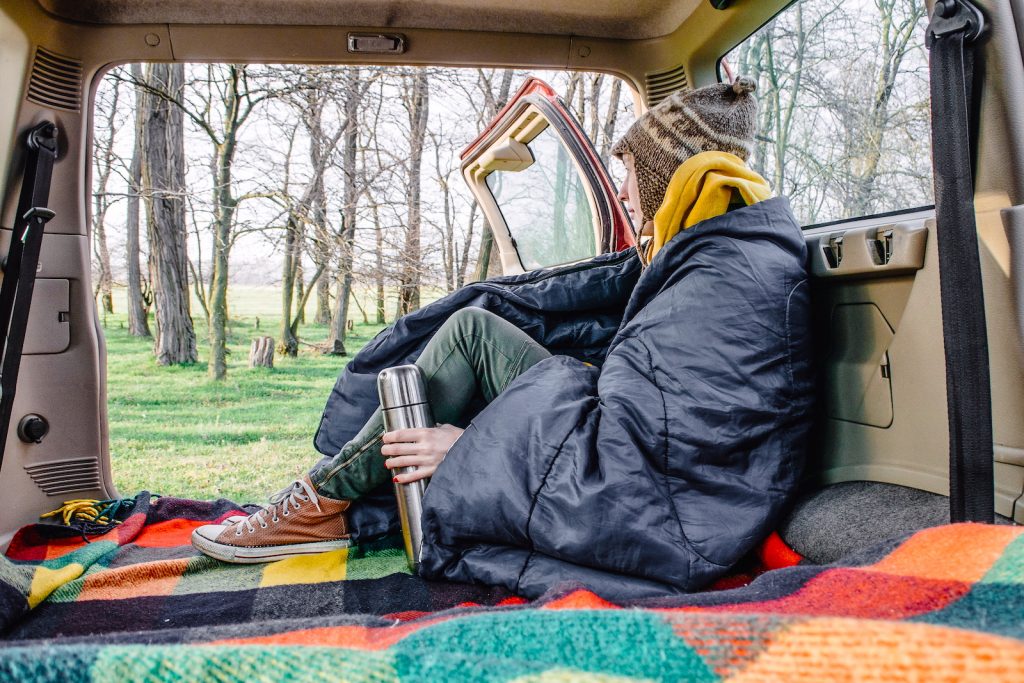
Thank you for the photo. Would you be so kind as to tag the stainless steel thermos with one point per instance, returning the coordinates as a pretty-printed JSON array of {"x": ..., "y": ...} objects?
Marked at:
[{"x": 403, "y": 400}]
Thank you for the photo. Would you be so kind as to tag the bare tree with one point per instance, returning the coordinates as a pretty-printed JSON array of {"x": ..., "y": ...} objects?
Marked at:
[
  {"x": 349, "y": 177},
  {"x": 164, "y": 179},
  {"x": 237, "y": 101},
  {"x": 293, "y": 233},
  {"x": 104, "y": 160},
  {"x": 378, "y": 233},
  {"x": 309, "y": 100},
  {"x": 219, "y": 104},
  {"x": 313, "y": 98},
  {"x": 354, "y": 87},
  {"x": 139, "y": 299},
  {"x": 895, "y": 35},
  {"x": 824, "y": 139},
  {"x": 416, "y": 101},
  {"x": 609, "y": 131}
]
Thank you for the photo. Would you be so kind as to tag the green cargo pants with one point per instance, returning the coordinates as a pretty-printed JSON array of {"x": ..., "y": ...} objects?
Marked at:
[{"x": 474, "y": 354}]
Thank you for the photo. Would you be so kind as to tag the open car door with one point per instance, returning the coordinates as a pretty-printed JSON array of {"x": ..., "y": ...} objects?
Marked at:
[{"x": 542, "y": 186}]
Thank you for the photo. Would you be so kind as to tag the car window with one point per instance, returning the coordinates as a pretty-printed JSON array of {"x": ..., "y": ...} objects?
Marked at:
[
  {"x": 844, "y": 128},
  {"x": 292, "y": 230},
  {"x": 545, "y": 206}
]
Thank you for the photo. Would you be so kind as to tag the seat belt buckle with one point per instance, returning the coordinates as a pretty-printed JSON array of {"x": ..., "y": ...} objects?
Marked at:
[
  {"x": 955, "y": 16},
  {"x": 39, "y": 215},
  {"x": 43, "y": 136}
]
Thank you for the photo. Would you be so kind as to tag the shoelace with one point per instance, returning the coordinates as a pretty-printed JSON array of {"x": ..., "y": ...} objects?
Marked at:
[{"x": 291, "y": 496}]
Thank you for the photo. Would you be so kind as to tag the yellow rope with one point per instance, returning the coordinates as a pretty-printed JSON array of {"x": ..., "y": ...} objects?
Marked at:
[{"x": 82, "y": 510}]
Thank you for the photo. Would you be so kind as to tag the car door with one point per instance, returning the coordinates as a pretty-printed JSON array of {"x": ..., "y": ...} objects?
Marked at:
[{"x": 542, "y": 186}]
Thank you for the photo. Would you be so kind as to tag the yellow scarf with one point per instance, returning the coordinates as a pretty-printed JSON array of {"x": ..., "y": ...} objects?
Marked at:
[{"x": 700, "y": 189}]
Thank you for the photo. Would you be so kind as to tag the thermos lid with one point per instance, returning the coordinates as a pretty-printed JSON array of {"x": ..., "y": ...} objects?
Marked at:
[{"x": 402, "y": 385}]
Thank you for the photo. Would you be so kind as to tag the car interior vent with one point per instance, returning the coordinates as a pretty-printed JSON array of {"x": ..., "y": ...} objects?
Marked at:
[
  {"x": 56, "y": 81},
  {"x": 661, "y": 84},
  {"x": 66, "y": 476}
]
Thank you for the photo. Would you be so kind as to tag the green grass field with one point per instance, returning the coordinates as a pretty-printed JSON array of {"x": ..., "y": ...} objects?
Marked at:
[{"x": 173, "y": 431}]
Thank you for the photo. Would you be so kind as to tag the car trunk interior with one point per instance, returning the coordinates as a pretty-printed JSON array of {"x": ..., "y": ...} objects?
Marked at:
[{"x": 875, "y": 280}]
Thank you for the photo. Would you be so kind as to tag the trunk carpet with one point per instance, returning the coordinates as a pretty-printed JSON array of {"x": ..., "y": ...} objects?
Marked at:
[{"x": 139, "y": 604}]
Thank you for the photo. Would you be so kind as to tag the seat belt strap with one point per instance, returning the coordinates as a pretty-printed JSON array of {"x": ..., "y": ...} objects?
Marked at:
[
  {"x": 22, "y": 263},
  {"x": 954, "y": 28}
]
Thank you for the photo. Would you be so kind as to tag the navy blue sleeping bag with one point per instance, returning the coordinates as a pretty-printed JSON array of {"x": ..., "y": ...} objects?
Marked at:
[{"x": 656, "y": 471}]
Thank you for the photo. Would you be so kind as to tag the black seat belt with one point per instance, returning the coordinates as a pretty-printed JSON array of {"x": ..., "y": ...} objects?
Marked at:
[
  {"x": 954, "y": 29},
  {"x": 22, "y": 262}
]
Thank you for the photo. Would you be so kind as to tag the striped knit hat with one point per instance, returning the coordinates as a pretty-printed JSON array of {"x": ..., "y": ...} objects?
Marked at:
[{"x": 720, "y": 117}]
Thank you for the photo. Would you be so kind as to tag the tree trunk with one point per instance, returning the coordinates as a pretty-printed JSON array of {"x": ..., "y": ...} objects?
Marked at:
[
  {"x": 322, "y": 257},
  {"x": 234, "y": 113},
  {"x": 138, "y": 311},
  {"x": 379, "y": 256},
  {"x": 596, "y": 85},
  {"x": 219, "y": 292},
  {"x": 315, "y": 204},
  {"x": 105, "y": 284},
  {"x": 488, "y": 263},
  {"x": 164, "y": 177},
  {"x": 261, "y": 352},
  {"x": 300, "y": 280},
  {"x": 104, "y": 164},
  {"x": 464, "y": 259},
  {"x": 353, "y": 95},
  {"x": 289, "y": 343},
  {"x": 417, "y": 106},
  {"x": 344, "y": 287},
  {"x": 323, "y": 253},
  {"x": 610, "y": 120}
]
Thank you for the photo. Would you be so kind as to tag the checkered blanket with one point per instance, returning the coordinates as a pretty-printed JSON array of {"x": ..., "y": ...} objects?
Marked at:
[{"x": 139, "y": 604}]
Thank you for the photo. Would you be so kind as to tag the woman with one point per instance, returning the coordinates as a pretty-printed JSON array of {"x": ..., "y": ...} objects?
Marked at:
[{"x": 648, "y": 475}]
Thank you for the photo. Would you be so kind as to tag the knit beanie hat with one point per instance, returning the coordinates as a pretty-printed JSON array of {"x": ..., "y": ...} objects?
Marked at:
[{"x": 720, "y": 117}]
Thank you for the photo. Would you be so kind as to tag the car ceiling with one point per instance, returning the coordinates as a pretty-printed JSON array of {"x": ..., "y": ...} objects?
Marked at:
[{"x": 636, "y": 19}]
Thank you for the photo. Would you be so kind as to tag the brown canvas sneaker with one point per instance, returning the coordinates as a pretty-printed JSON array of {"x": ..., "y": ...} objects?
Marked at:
[{"x": 298, "y": 521}]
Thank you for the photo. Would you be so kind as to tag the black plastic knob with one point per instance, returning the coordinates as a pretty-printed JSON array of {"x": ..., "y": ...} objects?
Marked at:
[
  {"x": 946, "y": 8},
  {"x": 33, "y": 428}
]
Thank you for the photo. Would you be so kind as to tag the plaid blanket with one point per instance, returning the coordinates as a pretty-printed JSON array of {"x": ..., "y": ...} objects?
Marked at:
[{"x": 139, "y": 604}]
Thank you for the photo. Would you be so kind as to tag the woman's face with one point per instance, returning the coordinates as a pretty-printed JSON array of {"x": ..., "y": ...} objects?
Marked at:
[{"x": 629, "y": 193}]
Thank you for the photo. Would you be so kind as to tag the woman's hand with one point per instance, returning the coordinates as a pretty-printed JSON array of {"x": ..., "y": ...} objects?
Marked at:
[{"x": 423, "y": 448}]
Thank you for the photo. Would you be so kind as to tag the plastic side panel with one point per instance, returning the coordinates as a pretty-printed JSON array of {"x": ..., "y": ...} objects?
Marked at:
[
  {"x": 857, "y": 369},
  {"x": 882, "y": 252},
  {"x": 286, "y": 44},
  {"x": 914, "y": 449},
  {"x": 49, "y": 329},
  {"x": 65, "y": 388}
]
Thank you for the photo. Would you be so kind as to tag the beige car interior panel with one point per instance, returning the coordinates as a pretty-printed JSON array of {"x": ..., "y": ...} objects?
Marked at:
[
  {"x": 911, "y": 448},
  {"x": 858, "y": 386},
  {"x": 612, "y": 18},
  {"x": 1005, "y": 357},
  {"x": 509, "y": 155},
  {"x": 875, "y": 317},
  {"x": 49, "y": 327},
  {"x": 49, "y": 323},
  {"x": 872, "y": 251},
  {"x": 884, "y": 356}
]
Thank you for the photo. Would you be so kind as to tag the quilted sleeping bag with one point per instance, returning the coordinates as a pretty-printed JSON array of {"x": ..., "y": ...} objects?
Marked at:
[{"x": 656, "y": 470}]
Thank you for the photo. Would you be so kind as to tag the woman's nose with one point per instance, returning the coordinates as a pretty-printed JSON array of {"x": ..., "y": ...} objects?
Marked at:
[{"x": 623, "y": 195}]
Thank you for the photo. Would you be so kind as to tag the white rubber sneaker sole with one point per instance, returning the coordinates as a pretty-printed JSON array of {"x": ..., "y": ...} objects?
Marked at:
[{"x": 243, "y": 555}]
